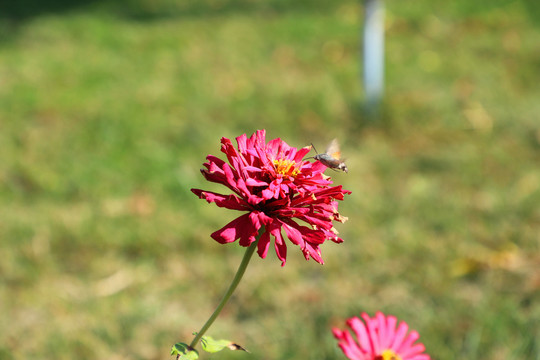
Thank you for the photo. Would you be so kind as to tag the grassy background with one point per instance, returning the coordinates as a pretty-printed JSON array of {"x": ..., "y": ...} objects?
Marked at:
[{"x": 107, "y": 111}]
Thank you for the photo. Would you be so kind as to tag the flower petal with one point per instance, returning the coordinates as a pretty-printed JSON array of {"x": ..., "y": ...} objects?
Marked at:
[
  {"x": 281, "y": 248},
  {"x": 347, "y": 344},
  {"x": 241, "y": 227},
  {"x": 254, "y": 182},
  {"x": 263, "y": 244},
  {"x": 232, "y": 202},
  {"x": 300, "y": 154},
  {"x": 252, "y": 235}
]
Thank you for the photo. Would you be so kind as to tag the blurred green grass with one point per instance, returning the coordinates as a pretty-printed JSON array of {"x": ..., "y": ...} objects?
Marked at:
[{"x": 107, "y": 111}]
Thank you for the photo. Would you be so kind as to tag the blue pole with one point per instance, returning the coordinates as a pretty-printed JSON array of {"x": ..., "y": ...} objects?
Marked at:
[{"x": 373, "y": 53}]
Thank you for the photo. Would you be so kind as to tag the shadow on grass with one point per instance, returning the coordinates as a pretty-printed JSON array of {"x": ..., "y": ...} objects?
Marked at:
[
  {"x": 22, "y": 10},
  {"x": 14, "y": 14}
]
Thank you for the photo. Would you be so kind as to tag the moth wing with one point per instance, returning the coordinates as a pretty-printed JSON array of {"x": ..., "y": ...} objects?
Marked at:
[{"x": 333, "y": 149}]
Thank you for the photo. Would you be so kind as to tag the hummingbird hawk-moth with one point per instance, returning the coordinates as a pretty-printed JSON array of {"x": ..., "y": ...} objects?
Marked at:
[{"x": 332, "y": 157}]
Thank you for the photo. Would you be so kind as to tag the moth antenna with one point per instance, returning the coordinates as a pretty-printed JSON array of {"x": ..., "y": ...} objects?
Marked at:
[{"x": 314, "y": 148}]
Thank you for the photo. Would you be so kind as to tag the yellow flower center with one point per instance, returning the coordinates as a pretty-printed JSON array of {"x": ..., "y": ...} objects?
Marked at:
[
  {"x": 388, "y": 355},
  {"x": 286, "y": 167}
]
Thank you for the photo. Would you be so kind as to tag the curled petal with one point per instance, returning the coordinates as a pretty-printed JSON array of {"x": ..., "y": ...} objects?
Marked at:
[
  {"x": 265, "y": 219},
  {"x": 232, "y": 202},
  {"x": 294, "y": 235},
  {"x": 315, "y": 219},
  {"x": 281, "y": 248},
  {"x": 314, "y": 252},
  {"x": 254, "y": 182},
  {"x": 241, "y": 228},
  {"x": 263, "y": 244}
]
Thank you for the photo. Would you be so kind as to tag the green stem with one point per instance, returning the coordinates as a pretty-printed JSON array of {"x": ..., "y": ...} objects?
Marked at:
[{"x": 239, "y": 273}]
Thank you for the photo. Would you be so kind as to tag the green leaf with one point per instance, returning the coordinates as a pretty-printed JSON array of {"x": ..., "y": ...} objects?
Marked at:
[
  {"x": 211, "y": 345},
  {"x": 184, "y": 352}
]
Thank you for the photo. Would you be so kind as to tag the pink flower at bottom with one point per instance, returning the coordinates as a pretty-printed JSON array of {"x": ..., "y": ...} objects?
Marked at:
[
  {"x": 378, "y": 338},
  {"x": 275, "y": 188}
]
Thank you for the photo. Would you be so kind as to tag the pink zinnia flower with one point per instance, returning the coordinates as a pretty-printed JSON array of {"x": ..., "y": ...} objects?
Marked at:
[
  {"x": 276, "y": 187},
  {"x": 379, "y": 339}
]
